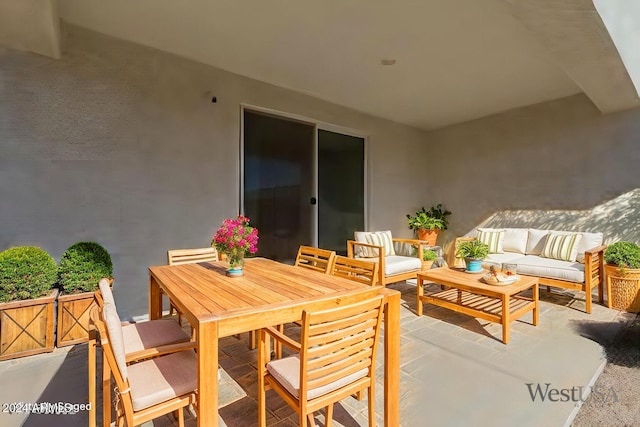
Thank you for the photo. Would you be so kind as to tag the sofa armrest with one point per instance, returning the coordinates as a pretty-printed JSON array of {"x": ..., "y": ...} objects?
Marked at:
[{"x": 594, "y": 270}]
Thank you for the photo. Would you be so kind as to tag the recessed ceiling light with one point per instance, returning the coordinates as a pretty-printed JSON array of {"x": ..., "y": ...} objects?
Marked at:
[{"x": 388, "y": 61}]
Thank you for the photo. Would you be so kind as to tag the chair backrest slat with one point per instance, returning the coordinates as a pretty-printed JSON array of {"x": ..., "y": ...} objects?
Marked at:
[
  {"x": 356, "y": 269},
  {"x": 339, "y": 342},
  {"x": 315, "y": 259},
  {"x": 187, "y": 256}
]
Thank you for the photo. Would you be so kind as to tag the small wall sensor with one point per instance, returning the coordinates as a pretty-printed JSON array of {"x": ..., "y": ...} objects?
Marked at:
[{"x": 214, "y": 100}]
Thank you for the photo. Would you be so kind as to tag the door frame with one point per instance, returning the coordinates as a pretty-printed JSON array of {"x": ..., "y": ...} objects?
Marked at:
[{"x": 317, "y": 125}]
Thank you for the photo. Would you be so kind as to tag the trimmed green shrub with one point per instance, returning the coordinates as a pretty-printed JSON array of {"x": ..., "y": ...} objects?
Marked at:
[
  {"x": 26, "y": 272},
  {"x": 623, "y": 254},
  {"x": 82, "y": 266}
]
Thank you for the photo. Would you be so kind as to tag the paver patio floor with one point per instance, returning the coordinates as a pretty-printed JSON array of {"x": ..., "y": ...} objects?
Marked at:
[{"x": 454, "y": 371}]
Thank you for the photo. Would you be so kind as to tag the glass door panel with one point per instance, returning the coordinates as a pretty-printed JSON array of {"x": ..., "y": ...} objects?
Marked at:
[
  {"x": 278, "y": 183},
  {"x": 340, "y": 189}
]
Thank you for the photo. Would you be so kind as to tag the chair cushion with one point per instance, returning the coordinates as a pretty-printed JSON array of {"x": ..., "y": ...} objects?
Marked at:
[
  {"x": 533, "y": 265},
  {"x": 105, "y": 290},
  {"x": 287, "y": 372},
  {"x": 116, "y": 340},
  {"x": 515, "y": 240},
  {"x": 152, "y": 333},
  {"x": 158, "y": 380},
  {"x": 378, "y": 238},
  {"x": 493, "y": 237},
  {"x": 589, "y": 241},
  {"x": 562, "y": 246},
  {"x": 396, "y": 264}
]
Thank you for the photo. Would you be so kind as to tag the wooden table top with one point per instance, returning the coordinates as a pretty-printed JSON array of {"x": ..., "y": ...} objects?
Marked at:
[
  {"x": 205, "y": 291},
  {"x": 471, "y": 281}
]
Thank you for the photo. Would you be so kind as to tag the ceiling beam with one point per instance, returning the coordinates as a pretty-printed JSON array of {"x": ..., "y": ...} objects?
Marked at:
[{"x": 575, "y": 36}]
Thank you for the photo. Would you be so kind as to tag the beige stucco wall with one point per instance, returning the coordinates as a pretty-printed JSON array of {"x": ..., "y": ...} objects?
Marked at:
[
  {"x": 30, "y": 25},
  {"x": 556, "y": 165},
  {"x": 121, "y": 144}
]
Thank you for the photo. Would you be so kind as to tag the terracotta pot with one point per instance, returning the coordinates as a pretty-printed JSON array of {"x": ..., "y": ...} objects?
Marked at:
[
  {"x": 429, "y": 236},
  {"x": 623, "y": 288}
]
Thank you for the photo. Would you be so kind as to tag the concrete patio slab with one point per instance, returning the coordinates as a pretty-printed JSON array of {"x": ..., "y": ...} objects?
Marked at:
[{"x": 454, "y": 371}]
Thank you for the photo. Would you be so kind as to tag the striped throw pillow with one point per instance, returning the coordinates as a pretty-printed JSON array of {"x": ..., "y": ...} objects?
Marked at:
[
  {"x": 562, "y": 246},
  {"x": 493, "y": 237},
  {"x": 381, "y": 238}
]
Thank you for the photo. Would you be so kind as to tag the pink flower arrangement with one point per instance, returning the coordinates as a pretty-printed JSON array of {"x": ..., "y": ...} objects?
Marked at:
[{"x": 236, "y": 238}]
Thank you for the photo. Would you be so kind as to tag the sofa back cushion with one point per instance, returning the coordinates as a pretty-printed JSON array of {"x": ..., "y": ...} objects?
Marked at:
[
  {"x": 494, "y": 237},
  {"x": 562, "y": 246},
  {"x": 535, "y": 241},
  {"x": 589, "y": 241},
  {"x": 515, "y": 240}
]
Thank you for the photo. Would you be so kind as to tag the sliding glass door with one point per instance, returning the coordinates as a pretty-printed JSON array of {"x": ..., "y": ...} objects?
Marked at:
[{"x": 301, "y": 185}]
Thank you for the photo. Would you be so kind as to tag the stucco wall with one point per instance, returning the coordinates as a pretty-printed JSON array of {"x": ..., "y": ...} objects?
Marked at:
[
  {"x": 30, "y": 25},
  {"x": 556, "y": 165},
  {"x": 121, "y": 144}
]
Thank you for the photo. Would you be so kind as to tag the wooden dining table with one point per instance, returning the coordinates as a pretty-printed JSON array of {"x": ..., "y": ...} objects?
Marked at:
[{"x": 269, "y": 293}]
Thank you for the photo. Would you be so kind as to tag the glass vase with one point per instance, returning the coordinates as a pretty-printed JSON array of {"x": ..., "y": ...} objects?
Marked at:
[{"x": 236, "y": 264}]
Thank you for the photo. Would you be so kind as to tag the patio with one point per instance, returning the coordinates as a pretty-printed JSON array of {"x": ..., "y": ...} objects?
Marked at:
[{"x": 454, "y": 370}]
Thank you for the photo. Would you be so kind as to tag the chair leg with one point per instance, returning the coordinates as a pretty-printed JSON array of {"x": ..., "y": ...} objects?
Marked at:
[
  {"x": 359, "y": 395},
  {"x": 329, "y": 416},
  {"x": 252, "y": 340},
  {"x": 372, "y": 408},
  {"x": 106, "y": 392},
  {"x": 180, "y": 417},
  {"x": 312, "y": 421}
]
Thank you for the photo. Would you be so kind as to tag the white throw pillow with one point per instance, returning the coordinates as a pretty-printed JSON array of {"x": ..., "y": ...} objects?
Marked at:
[
  {"x": 536, "y": 241},
  {"x": 562, "y": 246},
  {"x": 589, "y": 241},
  {"x": 494, "y": 237},
  {"x": 515, "y": 240},
  {"x": 377, "y": 238}
]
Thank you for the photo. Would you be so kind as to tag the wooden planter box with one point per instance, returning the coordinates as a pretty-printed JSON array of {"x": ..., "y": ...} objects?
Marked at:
[
  {"x": 623, "y": 291},
  {"x": 73, "y": 318},
  {"x": 27, "y": 327}
]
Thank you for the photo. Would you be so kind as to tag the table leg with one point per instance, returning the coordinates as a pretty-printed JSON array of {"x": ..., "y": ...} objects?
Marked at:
[
  {"x": 207, "y": 374},
  {"x": 155, "y": 299},
  {"x": 392, "y": 360},
  {"x": 506, "y": 320},
  {"x": 420, "y": 294},
  {"x": 536, "y": 306}
]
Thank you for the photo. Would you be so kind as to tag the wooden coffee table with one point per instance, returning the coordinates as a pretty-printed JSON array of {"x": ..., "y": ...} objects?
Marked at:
[{"x": 469, "y": 295}]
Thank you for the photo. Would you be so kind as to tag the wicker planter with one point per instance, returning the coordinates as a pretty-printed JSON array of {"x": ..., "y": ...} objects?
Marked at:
[
  {"x": 623, "y": 290},
  {"x": 27, "y": 327},
  {"x": 429, "y": 236}
]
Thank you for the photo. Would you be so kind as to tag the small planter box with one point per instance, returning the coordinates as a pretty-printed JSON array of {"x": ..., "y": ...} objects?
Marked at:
[
  {"x": 623, "y": 291},
  {"x": 27, "y": 327},
  {"x": 73, "y": 318}
]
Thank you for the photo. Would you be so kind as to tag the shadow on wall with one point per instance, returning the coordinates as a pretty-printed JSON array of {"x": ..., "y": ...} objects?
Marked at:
[{"x": 618, "y": 219}]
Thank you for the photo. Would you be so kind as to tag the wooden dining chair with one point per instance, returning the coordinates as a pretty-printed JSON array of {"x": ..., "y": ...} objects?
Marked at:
[
  {"x": 163, "y": 379},
  {"x": 138, "y": 339},
  {"x": 355, "y": 269},
  {"x": 335, "y": 359},
  {"x": 315, "y": 259},
  {"x": 189, "y": 256}
]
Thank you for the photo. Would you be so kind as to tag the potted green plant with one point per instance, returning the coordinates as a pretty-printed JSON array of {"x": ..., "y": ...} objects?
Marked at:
[
  {"x": 27, "y": 297},
  {"x": 82, "y": 266},
  {"x": 428, "y": 223},
  {"x": 473, "y": 252},
  {"x": 429, "y": 256},
  {"x": 623, "y": 276}
]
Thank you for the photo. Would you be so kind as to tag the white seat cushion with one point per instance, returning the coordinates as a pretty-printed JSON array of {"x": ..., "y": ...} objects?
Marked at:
[
  {"x": 116, "y": 337},
  {"x": 105, "y": 290},
  {"x": 396, "y": 264},
  {"x": 158, "y": 380},
  {"x": 498, "y": 259},
  {"x": 533, "y": 265},
  {"x": 287, "y": 372},
  {"x": 153, "y": 333}
]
